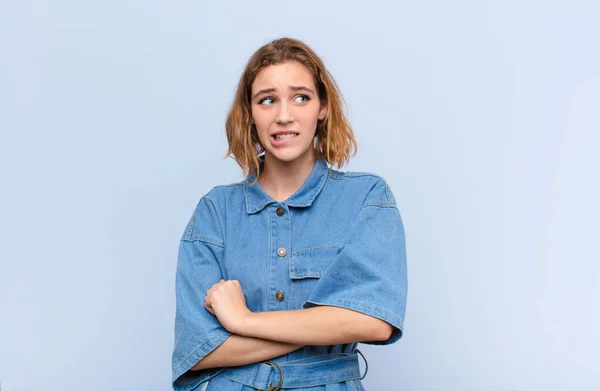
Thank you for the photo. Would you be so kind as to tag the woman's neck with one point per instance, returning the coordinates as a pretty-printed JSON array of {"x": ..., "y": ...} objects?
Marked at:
[{"x": 282, "y": 179}]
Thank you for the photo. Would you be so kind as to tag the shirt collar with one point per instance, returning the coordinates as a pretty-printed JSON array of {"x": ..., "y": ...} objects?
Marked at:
[{"x": 257, "y": 199}]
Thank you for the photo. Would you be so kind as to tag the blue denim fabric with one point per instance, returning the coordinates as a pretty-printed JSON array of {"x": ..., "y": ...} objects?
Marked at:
[{"x": 345, "y": 247}]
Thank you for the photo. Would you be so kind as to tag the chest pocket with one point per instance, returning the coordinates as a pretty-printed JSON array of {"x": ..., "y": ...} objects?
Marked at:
[{"x": 306, "y": 267}]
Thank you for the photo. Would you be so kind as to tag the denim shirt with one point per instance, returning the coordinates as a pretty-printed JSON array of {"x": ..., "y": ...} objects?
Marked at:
[{"x": 338, "y": 241}]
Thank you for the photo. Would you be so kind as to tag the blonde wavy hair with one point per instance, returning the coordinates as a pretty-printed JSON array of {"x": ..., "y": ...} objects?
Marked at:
[{"x": 334, "y": 136}]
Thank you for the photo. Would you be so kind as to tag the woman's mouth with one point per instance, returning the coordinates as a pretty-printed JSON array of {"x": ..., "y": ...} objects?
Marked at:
[
  {"x": 285, "y": 136},
  {"x": 282, "y": 139}
]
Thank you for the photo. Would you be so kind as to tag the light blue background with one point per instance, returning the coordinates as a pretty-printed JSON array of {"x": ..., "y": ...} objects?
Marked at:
[{"x": 482, "y": 115}]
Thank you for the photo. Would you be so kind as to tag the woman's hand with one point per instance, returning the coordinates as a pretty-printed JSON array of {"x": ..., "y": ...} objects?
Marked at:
[{"x": 226, "y": 301}]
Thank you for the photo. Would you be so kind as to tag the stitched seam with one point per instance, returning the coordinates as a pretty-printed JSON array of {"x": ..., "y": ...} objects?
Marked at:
[
  {"x": 231, "y": 184},
  {"x": 246, "y": 197},
  {"x": 297, "y": 276},
  {"x": 311, "y": 272},
  {"x": 388, "y": 194},
  {"x": 314, "y": 382},
  {"x": 270, "y": 295},
  {"x": 326, "y": 247},
  {"x": 205, "y": 239},
  {"x": 321, "y": 185},
  {"x": 291, "y": 363},
  {"x": 317, "y": 191},
  {"x": 353, "y": 174},
  {"x": 213, "y": 337},
  {"x": 335, "y": 174},
  {"x": 299, "y": 360},
  {"x": 374, "y": 306},
  {"x": 222, "y": 244},
  {"x": 379, "y": 204},
  {"x": 190, "y": 228},
  {"x": 292, "y": 302}
]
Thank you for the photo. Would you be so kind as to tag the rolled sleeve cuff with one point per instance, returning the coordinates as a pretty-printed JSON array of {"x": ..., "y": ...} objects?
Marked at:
[{"x": 211, "y": 342}]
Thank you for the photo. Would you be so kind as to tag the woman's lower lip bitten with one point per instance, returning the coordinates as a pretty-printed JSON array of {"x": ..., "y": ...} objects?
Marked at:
[{"x": 279, "y": 141}]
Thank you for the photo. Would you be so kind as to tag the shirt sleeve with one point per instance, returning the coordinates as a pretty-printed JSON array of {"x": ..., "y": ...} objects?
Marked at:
[
  {"x": 369, "y": 273},
  {"x": 197, "y": 331}
]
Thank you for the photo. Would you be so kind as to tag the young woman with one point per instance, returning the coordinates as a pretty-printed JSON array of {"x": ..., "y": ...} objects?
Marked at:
[{"x": 281, "y": 275}]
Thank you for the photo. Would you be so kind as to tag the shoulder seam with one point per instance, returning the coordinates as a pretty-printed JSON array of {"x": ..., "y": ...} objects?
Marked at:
[
  {"x": 351, "y": 174},
  {"x": 189, "y": 233},
  {"x": 204, "y": 239},
  {"x": 229, "y": 185},
  {"x": 218, "y": 222},
  {"x": 355, "y": 174},
  {"x": 388, "y": 194}
]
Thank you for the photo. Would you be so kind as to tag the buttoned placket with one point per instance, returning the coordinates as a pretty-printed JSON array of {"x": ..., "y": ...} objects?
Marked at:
[{"x": 279, "y": 250}]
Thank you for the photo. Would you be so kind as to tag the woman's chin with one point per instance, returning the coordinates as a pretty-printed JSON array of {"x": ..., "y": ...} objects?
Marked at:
[{"x": 288, "y": 155}]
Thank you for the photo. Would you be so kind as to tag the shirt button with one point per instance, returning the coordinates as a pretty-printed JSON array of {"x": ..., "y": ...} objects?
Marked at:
[
  {"x": 281, "y": 252},
  {"x": 279, "y": 211},
  {"x": 279, "y": 296}
]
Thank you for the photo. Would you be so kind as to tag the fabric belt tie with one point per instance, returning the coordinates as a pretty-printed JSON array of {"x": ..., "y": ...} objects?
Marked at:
[{"x": 306, "y": 372}]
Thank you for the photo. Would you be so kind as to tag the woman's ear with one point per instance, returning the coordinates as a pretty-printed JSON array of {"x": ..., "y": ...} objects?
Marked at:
[{"x": 323, "y": 111}]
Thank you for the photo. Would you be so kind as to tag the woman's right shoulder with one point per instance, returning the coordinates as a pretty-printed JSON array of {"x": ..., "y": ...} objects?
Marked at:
[
  {"x": 224, "y": 193},
  {"x": 210, "y": 210}
]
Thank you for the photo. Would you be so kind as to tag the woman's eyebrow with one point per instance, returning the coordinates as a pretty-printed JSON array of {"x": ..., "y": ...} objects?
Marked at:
[
  {"x": 301, "y": 88},
  {"x": 263, "y": 91},
  {"x": 293, "y": 88}
]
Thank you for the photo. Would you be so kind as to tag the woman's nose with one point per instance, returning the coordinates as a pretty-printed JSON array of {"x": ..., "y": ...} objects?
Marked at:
[{"x": 284, "y": 115}]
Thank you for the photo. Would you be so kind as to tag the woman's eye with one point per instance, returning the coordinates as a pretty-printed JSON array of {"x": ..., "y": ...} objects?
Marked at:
[
  {"x": 302, "y": 98},
  {"x": 266, "y": 101}
]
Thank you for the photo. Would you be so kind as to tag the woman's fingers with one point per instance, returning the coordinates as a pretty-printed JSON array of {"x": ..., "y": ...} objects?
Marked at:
[
  {"x": 207, "y": 303},
  {"x": 208, "y": 306},
  {"x": 215, "y": 286}
]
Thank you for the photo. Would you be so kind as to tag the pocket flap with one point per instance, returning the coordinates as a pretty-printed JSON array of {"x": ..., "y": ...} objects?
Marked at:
[{"x": 310, "y": 262}]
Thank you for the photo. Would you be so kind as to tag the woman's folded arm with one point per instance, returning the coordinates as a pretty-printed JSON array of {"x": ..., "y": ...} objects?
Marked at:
[
  {"x": 321, "y": 325},
  {"x": 238, "y": 350}
]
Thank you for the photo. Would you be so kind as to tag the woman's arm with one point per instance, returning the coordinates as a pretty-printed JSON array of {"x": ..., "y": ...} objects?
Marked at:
[
  {"x": 240, "y": 350},
  {"x": 321, "y": 325}
]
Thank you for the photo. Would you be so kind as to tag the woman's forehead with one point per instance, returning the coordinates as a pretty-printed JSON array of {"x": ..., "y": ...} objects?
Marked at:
[{"x": 283, "y": 76}]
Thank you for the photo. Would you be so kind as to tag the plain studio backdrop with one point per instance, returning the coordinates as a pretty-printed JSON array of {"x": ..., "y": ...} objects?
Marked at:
[{"x": 483, "y": 116}]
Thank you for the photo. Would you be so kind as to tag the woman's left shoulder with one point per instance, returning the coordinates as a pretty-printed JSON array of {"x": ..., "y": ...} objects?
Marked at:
[{"x": 375, "y": 187}]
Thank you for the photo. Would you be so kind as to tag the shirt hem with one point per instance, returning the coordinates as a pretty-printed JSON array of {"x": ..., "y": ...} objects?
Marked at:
[{"x": 213, "y": 340}]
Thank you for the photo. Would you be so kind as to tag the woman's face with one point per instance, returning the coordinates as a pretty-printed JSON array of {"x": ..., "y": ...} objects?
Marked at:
[{"x": 285, "y": 110}]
